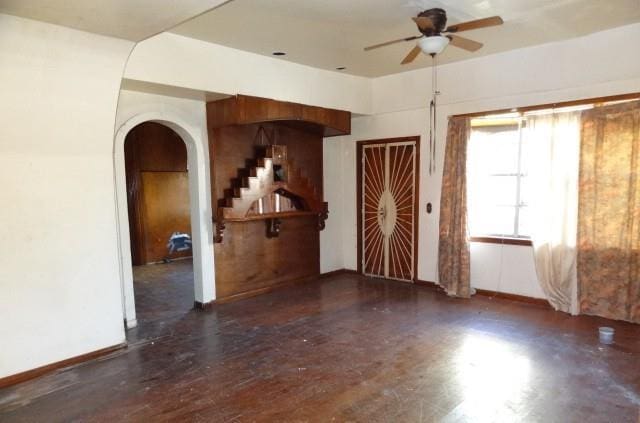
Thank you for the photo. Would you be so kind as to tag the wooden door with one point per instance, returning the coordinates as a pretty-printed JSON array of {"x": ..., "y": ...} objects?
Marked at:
[
  {"x": 165, "y": 210},
  {"x": 388, "y": 210}
]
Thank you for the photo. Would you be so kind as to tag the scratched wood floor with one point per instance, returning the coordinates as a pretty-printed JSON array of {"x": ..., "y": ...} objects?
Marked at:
[{"x": 343, "y": 348}]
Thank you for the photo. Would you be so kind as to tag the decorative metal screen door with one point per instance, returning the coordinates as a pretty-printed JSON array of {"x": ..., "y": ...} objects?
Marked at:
[{"x": 388, "y": 192}]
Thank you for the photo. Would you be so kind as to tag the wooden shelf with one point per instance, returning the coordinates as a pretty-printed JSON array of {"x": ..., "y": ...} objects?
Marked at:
[
  {"x": 265, "y": 216},
  {"x": 262, "y": 183}
]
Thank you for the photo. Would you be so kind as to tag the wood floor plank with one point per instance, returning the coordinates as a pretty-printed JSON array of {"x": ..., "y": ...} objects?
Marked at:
[{"x": 344, "y": 347}]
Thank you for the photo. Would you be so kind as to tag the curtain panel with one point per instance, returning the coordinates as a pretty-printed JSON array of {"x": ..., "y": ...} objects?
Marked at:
[
  {"x": 453, "y": 248},
  {"x": 554, "y": 147},
  {"x": 609, "y": 212}
]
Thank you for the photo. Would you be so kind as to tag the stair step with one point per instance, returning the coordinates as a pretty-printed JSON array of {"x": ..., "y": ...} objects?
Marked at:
[
  {"x": 264, "y": 162},
  {"x": 240, "y": 192}
]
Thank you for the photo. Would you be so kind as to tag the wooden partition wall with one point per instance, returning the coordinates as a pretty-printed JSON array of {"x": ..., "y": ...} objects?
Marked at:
[{"x": 248, "y": 258}]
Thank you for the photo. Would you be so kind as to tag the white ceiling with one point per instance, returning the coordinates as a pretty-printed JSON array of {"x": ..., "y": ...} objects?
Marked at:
[
  {"x": 331, "y": 33},
  {"x": 132, "y": 20}
]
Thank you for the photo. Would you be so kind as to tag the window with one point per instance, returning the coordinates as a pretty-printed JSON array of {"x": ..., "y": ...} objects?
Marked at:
[{"x": 497, "y": 163}]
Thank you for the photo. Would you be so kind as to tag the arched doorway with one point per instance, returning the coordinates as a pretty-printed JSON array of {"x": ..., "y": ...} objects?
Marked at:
[
  {"x": 199, "y": 205},
  {"x": 159, "y": 221}
]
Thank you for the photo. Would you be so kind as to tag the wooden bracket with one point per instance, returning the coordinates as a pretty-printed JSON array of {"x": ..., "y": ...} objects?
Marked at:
[
  {"x": 273, "y": 227},
  {"x": 219, "y": 234},
  {"x": 322, "y": 216}
]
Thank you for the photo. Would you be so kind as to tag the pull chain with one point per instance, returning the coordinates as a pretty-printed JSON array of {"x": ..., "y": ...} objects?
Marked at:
[{"x": 432, "y": 116}]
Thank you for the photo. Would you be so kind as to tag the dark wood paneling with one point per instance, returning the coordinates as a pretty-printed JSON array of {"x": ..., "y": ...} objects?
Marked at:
[
  {"x": 241, "y": 110},
  {"x": 157, "y": 191},
  {"x": 165, "y": 210},
  {"x": 247, "y": 261}
]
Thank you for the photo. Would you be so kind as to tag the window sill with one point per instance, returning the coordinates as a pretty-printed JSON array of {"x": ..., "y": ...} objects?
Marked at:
[{"x": 501, "y": 240}]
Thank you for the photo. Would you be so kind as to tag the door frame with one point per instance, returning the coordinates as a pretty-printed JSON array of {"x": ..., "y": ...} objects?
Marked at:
[
  {"x": 199, "y": 203},
  {"x": 359, "y": 150}
]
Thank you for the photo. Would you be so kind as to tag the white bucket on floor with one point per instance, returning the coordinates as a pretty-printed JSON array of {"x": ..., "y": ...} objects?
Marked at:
[{"x": 606, "y": 335}]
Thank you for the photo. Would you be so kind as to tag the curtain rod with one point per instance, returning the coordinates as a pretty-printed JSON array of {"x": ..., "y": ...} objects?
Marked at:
[{"x": 594, "y": 100}]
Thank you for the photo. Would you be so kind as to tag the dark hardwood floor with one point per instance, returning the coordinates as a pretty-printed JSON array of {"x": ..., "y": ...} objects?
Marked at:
[
  {"x": 162, "y": 291},
  {"x": 344, "y": 348}
]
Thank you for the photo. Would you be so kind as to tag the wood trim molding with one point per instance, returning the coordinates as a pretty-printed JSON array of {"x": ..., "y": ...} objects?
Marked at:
[
  {"x": 243, "y": 109},
  {"x": 493, "y": 294},
  {"x": 501, "y": 240},
  {"x": 514, "y": 297},
  {"x": 359, "y": 145},
  {"x": 264, "y": 290},
  {"x": 429, "y": 284},
  {"x": 594, "y": 100},
  {"x": 197, "y": 305},
  {"x": 339, "y": 272},
  {"x": 69, "y": 362}
]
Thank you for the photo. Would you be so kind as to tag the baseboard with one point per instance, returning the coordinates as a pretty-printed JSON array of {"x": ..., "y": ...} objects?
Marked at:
[
  {"x": 428, "y": 284},
  {"x": 204, "y": 306},
  {"x": 514, "y": 297},
  {"x": 493, "y": 294},
  {"x": 339, "y": 272},
  {"x": 130, "y": 324},
  {"x": 264, "y": 290},
  {"x": 39, "y": 371}
]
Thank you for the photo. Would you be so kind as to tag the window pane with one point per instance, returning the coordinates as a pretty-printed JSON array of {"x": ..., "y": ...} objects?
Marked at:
[
  {"x": 492, "y": 190},
  {"x": 527, "y": 152},
  {"x": 492, "y": 178},
  {"x": 492, "y": 220},
  {"x": 500, "y": 190},
  {"x": 495, "y": 149},
  {"x": 525, "y": 190},
  {"x": 524, "y": 222}
]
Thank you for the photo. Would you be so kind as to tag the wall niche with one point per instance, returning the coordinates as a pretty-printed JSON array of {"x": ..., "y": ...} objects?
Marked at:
[{"x": 266, "y": 181}]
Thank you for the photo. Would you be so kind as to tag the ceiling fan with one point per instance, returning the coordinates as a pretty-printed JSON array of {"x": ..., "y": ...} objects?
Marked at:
[{"x": 435, "y": 35}]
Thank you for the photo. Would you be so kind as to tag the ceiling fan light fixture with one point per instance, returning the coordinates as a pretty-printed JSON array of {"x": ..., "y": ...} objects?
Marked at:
[{"x": 434, "y": 44}]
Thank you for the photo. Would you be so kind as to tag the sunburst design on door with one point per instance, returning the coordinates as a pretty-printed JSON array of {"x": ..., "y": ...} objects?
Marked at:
[
  {"x": 388, "y": 192},
  {"x": 402, "y": 188},
  {"x": 374, "y": 186}
]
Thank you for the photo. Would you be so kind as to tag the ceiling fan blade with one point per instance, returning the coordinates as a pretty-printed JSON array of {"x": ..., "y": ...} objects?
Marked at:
[
  {"x": 392, "y": 42},
  {"x": 423, "y": 22},
  {"x": 411, "y": 56},
  {"x": 464, "y": 43},
  {"x": 479, "y": 23}
]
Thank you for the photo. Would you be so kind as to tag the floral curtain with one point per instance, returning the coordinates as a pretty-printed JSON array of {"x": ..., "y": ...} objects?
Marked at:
[
  {"x": 453, "y": 248},
  {"x": 553, "y": 142},
  {"x": 609, "y": 212}
]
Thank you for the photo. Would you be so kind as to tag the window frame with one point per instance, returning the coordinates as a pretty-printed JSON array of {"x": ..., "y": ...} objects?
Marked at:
[{"x": 514, "y": 238}]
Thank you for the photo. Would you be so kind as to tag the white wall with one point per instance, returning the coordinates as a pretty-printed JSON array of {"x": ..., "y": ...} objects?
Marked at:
[
  {"x": 59, "y": 286},
  {"x": 61, "y": 294},
  {"x": 61, "y": 268},
  {"x": 190, "y": 118},
  {"x": 174, "y": 60},
  {"x": 600, "y": 64},
  {"x": 331, "y": 247},
  {"x": 185, "y": 62}
]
